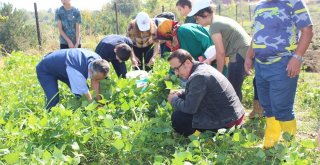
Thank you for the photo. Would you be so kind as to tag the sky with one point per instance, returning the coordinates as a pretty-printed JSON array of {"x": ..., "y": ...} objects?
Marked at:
[{"x": 47, "y": 4}]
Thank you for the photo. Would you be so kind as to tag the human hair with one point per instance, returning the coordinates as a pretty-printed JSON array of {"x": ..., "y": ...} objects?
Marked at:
[
  {"x": 123, "y": 51},
  {"x": 100, "y": 65},
  {"x": 184, "y": 3},
  {"x": 210, "y": 10},
  {"x": 182, "y": 55}
]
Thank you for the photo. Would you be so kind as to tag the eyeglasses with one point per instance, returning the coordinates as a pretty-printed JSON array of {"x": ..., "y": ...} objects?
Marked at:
[{"x": 176, "y": 69}]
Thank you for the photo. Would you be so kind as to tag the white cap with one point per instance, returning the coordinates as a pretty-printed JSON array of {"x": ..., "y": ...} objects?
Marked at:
[
  {"x": 197, "y": 5},
  {"x": 143, "y": 21},
  {"x": 210, "y": 52}
]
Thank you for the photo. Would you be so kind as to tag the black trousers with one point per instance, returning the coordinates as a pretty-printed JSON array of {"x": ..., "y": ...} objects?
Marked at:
[
  {"x": 182, "y": 124},
  {"x": 64, "y": 46},
  {"x": 144, "y": 55}
]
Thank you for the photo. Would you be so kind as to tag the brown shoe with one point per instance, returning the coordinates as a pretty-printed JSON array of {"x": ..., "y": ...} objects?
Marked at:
[{"x": 257, "y": 110}]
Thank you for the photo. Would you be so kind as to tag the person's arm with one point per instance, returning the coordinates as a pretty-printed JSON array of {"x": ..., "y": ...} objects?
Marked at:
[
  {"x": 78, "y": 83},
  {"x": 78, "y": 22},
  {"x": 294, "y": 64},
  {"x": 96, "y": 87},
  {"x": 64, "y": 35},
  {"x": 197, "y": 91},
  {"x": 156, "y": 49},
  {"x": 134, "y": 60},
  {"x": 220, "y": 52},
  {"x": 76, "y": 45},
  {"x": 248, "y": 63}
]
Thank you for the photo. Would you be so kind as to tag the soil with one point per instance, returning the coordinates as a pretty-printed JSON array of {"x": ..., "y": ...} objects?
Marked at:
[
  {"x": 312, "y": 56},
  {"x": 312, "y": 60}
]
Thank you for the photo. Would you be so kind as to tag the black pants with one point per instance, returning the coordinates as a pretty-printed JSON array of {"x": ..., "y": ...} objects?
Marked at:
[
  {"x": 144, "y": 55},
  {"x": 164, "y": 49},
  {"x": 182, "y": 123},
  {"x": 64, "y": 46}
]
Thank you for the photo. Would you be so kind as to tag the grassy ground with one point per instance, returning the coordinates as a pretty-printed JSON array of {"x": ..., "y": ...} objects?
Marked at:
[
  {"x": 117, "y": 134},
  {"x": 308, "y": 117}
]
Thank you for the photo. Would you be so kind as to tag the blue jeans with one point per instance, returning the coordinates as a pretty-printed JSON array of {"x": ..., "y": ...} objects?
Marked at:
[
  {"x": 276, "y": 90},
  {"x": 49, "y": 83},
  {"x": 236, "y": 74}
]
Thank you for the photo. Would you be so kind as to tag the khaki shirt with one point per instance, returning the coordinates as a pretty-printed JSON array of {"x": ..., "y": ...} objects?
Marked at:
[{"x": 142, "y": 39}]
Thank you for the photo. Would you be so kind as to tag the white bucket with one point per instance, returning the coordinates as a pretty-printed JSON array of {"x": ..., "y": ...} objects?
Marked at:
[{"x": 140, "y": 75}]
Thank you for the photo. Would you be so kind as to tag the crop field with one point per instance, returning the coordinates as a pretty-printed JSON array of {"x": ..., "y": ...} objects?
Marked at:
[{"x": 132, "y": 125}]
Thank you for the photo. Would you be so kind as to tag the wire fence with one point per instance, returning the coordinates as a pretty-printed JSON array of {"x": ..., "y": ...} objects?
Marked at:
[{"x": 114, "y": 18}]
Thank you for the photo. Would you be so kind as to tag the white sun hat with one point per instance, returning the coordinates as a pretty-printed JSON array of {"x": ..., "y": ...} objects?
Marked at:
[
  {"x": 197, "y": 5},
  {"x": 143, "y": 21},
  {"x": 211, "y": 52}
]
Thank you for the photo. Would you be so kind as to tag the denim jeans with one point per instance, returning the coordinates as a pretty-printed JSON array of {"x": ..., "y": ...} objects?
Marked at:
[
  {"x": 236, "y": 74},
  {"x": 49, "y": 83},
  {"x": 276, "y": 90}
]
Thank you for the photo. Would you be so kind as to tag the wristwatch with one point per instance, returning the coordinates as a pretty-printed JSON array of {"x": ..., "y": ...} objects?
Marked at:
[{"x": 299, "y": 58}]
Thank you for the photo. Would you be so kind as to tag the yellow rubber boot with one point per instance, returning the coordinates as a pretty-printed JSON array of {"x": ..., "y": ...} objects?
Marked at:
[
  {"x": 272, "y": 132},
  {"x": 196, "y": 133},
  {"x": 289, "y": 126}
]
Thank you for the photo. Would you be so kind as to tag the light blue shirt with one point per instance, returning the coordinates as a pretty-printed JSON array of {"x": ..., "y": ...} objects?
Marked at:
[{"x": 77, "y": 81}]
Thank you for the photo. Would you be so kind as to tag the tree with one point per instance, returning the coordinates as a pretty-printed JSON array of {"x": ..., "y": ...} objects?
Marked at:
[{"x": 15, "y": 32}]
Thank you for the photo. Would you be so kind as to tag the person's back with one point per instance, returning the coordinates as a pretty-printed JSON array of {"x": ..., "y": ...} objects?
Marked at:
[
  {"x": 194, "y": 38},
  {"x": 106, "y": 46},
  {"x": 56, "y": 62},
  {"x": 220, "y": 105},
  {"x": 208, "y": 102},
  {"x": 235, "y": 38}
]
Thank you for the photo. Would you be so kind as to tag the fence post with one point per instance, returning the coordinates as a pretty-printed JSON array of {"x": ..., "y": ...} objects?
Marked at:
[
  {"x": 37, "y": 25},
  {"x": 250, "y": 12},
  {"x": 162, "y": 9},
  {"x": 117, "y": 22},
  {"x": 236, "y": 12},
  {"x": 219, "y": 9}
]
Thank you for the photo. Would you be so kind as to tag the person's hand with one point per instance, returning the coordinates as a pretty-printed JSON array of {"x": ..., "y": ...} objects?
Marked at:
[
  {"x": 176, "y": 92},
  {"x": 135, "y": 62},
  {"x": 248, "y": 65},
  {"x": 76, "y": 45},
  {"x": 152, "y": 60},
  {"x": 293, "y": 67},
  {"x": 98, "y": 97},
  {"x": 70, "y": 44},
  {"x": 170, "y": 97}
]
